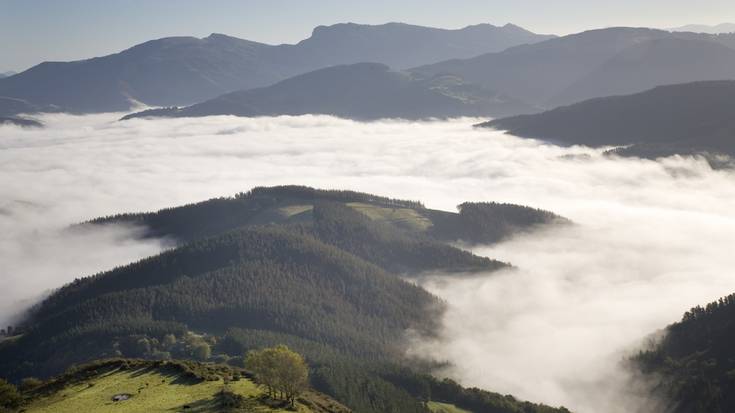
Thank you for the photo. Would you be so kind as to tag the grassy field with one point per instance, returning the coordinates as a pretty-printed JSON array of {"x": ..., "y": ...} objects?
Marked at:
[
  {"x": 151, "y": 391},
  {"x": 437, "y": 407},
  {"x": 403, "y": 217}
]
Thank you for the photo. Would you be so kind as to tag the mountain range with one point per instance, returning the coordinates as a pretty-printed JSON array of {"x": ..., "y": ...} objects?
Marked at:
[
  {"x": 555, "y": 72},
  {"x": 689, "y": 118},
  {"x": 493, "y": 72},
  {"x": 362, "y": 91},
  {"x": 596, "y": 63},
  {"x": 187, "y": 70}
]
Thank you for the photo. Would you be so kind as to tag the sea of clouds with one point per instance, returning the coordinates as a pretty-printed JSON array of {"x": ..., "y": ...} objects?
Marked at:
[{"x": 653, "y": 238}]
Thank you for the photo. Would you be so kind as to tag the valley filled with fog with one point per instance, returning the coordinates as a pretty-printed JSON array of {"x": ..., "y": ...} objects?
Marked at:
[{"x": 651, "y": 240}]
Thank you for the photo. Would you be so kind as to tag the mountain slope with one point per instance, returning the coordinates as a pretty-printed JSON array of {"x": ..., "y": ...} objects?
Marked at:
[
  {"x": 363, "y": 91},
  {"x": 653, "y": 63},
  {"x": 158, "y": 72},
  {"x": 331, "y": 306},
  {"x": 186, "y": 70},
  {"x": 683, "y": 118},
  {"x": 539, "y": 72},
  {"x": 10, "y": 107},
  {"x": 693, "y": 363}
]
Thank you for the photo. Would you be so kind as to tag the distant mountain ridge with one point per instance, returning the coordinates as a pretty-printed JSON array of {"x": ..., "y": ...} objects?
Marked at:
[
  {"x": 187, "y": 70},
  {"x": 652, "y": 63},
  {"x": 703, "y": 28},
  {"x": 362, "y": 91},
  {"x": 687, "y": 118},
  {"x": 401, "y": 45},
  {"x": 595, "y": 63}
]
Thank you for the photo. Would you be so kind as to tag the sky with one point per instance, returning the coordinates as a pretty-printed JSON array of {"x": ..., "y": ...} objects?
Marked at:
[{"x": 33, "y": 31}]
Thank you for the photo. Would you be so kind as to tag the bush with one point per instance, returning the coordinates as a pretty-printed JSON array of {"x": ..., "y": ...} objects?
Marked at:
[{"x": 30, "y": 384}]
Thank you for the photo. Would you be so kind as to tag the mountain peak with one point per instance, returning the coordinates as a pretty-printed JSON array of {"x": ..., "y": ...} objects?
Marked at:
[{"x": 219, "y": 38}]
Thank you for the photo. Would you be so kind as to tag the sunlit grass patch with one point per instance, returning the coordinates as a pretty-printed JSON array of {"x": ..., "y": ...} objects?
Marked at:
[
  {"x": 437, "y": 407},
  {"x": 403, "y": 217},
  {"x": 150, "y": 390}
]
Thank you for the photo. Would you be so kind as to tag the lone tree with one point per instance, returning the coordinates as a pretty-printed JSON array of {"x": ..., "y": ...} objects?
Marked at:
[
  {"x": 202, "y": 351},
  {"x": 283, "y": 372}
]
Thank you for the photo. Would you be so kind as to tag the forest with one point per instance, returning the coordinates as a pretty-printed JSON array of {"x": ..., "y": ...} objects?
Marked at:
[
  {"x": 318, "y": 271},
  {"x": 693, "y": 363}
]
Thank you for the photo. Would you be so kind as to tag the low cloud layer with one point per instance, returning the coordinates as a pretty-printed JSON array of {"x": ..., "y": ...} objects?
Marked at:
[{"x": 652, "y": 240}]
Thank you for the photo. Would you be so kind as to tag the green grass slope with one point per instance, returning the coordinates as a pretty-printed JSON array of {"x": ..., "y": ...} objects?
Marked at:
[
  {"x": 437, "y": 407},
  {"x": 162, "y": 387}
]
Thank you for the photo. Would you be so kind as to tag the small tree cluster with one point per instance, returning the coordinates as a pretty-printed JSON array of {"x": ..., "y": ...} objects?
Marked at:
[
  {"x": 9, "y": 396},
  {"x": 283, "y": 372}
]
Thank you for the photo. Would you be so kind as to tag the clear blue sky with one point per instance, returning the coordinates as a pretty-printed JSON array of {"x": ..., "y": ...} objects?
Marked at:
[{"x": 32, "y": 31}]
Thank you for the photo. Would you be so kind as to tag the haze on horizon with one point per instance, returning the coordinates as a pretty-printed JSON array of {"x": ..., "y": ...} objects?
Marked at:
[{"x": 44, "y": 30}]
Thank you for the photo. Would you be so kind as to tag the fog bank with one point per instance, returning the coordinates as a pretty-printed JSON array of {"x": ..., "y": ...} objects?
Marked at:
[{"x": 652, "y": 240}]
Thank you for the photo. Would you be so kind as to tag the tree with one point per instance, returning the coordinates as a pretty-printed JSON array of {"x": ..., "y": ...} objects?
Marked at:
[
  {"x": 169, "y": 340},
  {"x": 283, "y": 372},
  {"x": 202, "y": 351},
  {"x": 135, "y": 346},
  {"x": 9, "y": 396}
]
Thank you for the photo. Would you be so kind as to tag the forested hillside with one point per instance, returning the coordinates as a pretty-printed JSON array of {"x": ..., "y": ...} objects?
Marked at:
[
  {"x": 316, "y": 270},
  {"x": 484, "y": 222},
  {"x": 694, "y": 362}
]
